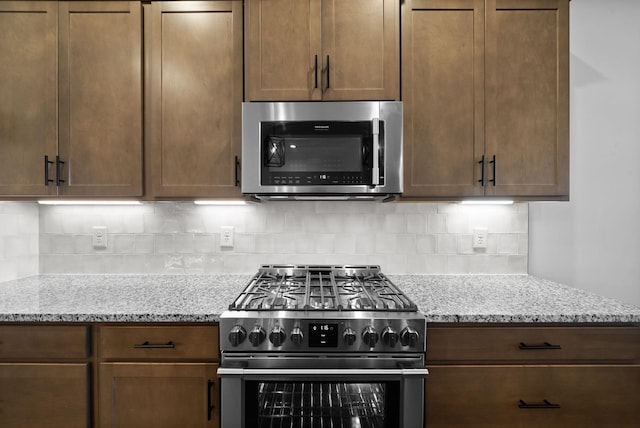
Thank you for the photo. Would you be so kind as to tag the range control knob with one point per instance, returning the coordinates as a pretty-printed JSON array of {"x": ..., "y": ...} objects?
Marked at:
[
  {"x": 297, "y": 336},
  {"x": 370, "y": 336},
  {"x": 409, "y": 337},
  {"x": 349, "y": 336},
  {"x": 257, "y": 335},
  {"x": 237, "y": 335},
  {"x": 277, "y": 336},
  {"x": 389, "y": 337}
]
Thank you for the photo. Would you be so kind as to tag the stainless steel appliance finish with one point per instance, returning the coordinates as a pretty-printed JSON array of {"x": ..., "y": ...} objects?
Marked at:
[
  {"x": 322, "y": 150},
  {"x": 310, "y": 346}
]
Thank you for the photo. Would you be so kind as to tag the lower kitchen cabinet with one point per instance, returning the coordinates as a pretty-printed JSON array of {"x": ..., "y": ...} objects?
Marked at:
[
  {"x": 532, "y": 376},
  {"x": 44, "y": 376},
  {"x": 159, "y": 395},
  {"x": 44, "y": 395},
  {"x": 161, "y": 376}
]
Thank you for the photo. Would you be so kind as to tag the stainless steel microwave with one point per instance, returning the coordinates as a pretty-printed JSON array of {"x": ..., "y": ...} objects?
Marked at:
[{"x": 322, "y": 150}]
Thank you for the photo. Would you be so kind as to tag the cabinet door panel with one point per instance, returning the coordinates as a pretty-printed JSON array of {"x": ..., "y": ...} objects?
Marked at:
[
  {"x": 443, "y": 89},
  {"x": 490, "y": 396},
  {"x": 195, "y": 97},
  {"x": 528, "y": 96},
  {"x": 101, "y": 98},
  {"x": 282, "y": 46},
  {"x": 44, "y": 395},
  {"x": 28, "y": 105},
  {"x": 158, "y": 395},
  {"x": 360, "y": 38}
]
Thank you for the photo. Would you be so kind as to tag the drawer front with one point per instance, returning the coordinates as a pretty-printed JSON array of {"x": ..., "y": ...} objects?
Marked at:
[
  {"x": 44, "y": 342},
  {"x": 158, "y": 343},
  {"x": 533, "y": 344},
  {"x": 533, "y": 396}
]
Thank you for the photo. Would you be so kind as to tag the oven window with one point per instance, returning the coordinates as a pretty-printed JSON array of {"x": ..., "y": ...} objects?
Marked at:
[
  {"x": 311, "y": 153},
  {"x": 323, "y": 404}
]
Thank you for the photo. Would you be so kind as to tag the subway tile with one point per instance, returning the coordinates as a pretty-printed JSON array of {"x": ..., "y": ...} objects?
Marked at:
[{"x": 179, "y": 237}]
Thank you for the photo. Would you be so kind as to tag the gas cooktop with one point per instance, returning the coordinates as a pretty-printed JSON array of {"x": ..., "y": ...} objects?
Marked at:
[
  {"x": 312, "y": 308},
  {"x": 328, "y": 288}
]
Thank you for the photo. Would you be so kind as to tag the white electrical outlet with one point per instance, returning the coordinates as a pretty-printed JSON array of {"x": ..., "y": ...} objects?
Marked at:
[
  {"x": 480, "y": 235},
  {"x": 226, "y": 236},
  {"x": 100, "y": 237}
]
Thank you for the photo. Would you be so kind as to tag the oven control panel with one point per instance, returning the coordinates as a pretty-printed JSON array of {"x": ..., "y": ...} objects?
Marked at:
[{"x": 298, "y": 334}]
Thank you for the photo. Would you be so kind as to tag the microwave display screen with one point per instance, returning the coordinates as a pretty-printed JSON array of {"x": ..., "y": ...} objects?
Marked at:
[{"x": 316, "y": 153}]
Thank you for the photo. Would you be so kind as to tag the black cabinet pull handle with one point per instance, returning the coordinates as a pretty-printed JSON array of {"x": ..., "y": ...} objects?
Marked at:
[
  {"x": 210, "y": 406},
  {"x": 545, "y": 345},
  {"x": 481, "y": 162},
  {"x": 328, "y": 73},
  {"x": 315, "y": 73},
  {"x": 47, "y": 162},
  {"x": 544, "y": 405},
  {"x": 58, "y": 172},
  {"x": 147, "y": 345},
  {"x": 493, "y": 162},
  {"x": 237, "y": 176}
]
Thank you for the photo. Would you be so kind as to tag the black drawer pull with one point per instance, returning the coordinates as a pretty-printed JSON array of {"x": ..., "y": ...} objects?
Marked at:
[
  {"x": 544, "y": 405},
  {"x": 545, "y": 345},
  {"x": 147, "y": 345}
]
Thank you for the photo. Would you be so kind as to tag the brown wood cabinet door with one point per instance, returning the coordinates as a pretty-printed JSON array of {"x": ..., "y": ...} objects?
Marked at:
[
  {"x": 28, "y": 104},
  {"x": 194, "y": 98},
  {"x": 360, "y": 49},
  {"x": 158, "y": 395},
  {"x": 443, "y": 97},
  {"x": 44, "y": 395},
  {"x": 100, "y": 91},
  {"x": 527, "y": 98},
  {"x": 282, "y": 50},
  {"x": 514, "y": 396}
]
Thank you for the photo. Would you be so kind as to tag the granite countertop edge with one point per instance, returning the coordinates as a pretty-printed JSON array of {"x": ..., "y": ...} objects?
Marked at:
[{"x": 131, "y": 298}]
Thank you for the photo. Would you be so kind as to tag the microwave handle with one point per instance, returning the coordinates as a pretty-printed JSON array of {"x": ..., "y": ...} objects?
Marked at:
[{"x": 375, "y": 171}]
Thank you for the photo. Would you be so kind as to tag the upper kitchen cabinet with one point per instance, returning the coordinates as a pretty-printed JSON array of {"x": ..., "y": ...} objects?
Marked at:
[
  {"x": 28, "y": 105},
  {"x": 486, "y": 98},
  {"x": 321, "y": 50},
  {"x": 100, "y": 104},
  {"x": 193, "y": 94},
  {"x": 71, "y": 114}
]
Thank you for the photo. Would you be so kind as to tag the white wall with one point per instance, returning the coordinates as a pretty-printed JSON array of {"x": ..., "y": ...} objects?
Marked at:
[{"x": 593, "y": 241}]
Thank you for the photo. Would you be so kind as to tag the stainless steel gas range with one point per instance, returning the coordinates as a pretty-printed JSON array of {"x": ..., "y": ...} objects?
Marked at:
[{"x": 322, "y": 346}]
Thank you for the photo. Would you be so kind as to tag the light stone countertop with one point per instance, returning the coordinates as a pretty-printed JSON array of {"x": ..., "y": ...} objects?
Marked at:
[{"x": 202, "y": 298}]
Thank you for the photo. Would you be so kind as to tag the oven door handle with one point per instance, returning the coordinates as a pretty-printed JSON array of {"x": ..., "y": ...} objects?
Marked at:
[
  {"x": 239, "y": 371},
  {"x": 375, "y": 170}
]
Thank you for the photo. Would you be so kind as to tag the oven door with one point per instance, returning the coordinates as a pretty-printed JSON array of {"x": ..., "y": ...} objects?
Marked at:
[{"x": 309, "y": 398}]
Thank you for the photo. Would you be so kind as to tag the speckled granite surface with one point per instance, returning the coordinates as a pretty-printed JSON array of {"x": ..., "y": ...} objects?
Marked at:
[{"x": 202, "y": 298}]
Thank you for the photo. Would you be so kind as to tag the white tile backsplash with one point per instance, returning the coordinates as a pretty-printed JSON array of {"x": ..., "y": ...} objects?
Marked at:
[
  {"x": 180, "y": 237},
  {"x": 19, "y": 243}
]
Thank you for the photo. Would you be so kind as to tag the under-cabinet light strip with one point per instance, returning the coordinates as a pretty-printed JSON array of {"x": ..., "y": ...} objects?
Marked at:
[{"x": 86, "y": 202}]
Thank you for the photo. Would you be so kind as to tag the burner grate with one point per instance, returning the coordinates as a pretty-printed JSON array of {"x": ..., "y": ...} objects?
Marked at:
[{"x": 327, "y": 288}]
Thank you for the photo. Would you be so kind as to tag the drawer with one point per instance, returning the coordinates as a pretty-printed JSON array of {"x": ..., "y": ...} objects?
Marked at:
[
  {"x": 158, "y": 343},
  {"x": 533, "y": 396},
  {"x": 44, "y": 342},
  {"x": 533, "y": 344}
]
